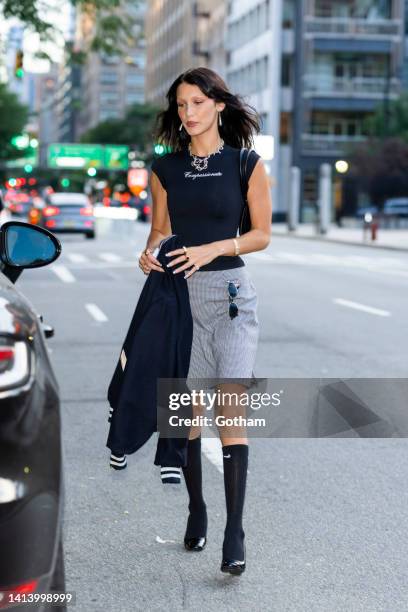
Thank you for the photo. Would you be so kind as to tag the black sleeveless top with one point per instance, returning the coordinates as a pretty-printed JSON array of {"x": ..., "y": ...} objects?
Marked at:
[{"x": 205, "y": 205}]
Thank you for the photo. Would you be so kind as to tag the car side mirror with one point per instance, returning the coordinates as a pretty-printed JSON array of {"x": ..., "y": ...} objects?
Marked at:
[{"x": 23, "y": 245}]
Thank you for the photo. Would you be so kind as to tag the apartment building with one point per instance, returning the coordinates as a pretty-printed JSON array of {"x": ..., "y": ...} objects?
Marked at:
[
  {"x": 182, "y": 34},
  {"x": 255, "y": 44},
  {"x": 109, "y": 84},
  {"x": 348, "y": 60},
  {"x": 313, "y": 69}
]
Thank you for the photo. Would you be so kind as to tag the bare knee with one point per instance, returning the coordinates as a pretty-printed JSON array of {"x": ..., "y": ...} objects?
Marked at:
[{"x": 228, "y": 412}]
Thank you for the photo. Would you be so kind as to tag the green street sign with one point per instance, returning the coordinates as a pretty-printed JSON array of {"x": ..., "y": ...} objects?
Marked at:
[
  {"x": 117, "y": 157},
  {"x": 84, "y": 156},
  {"x": 75, "y": 156}
]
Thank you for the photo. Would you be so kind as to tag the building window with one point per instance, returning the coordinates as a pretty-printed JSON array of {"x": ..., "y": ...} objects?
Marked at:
[
  {"x": 134, "y": 79},
  {"x": 107, "y": 113},
  {"x": 131, "y": 98},
  {"x": 288, "y": 17},
  {"x": 108, "y": 78},
  {"x": 286, "y": 71}
]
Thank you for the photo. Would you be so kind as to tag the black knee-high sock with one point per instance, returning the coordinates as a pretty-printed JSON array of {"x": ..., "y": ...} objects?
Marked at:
[
  {"x": 235, "y": 460},
  {"x": 197, "y": 520}
]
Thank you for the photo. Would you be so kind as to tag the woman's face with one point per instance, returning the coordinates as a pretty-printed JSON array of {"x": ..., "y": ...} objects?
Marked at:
[{"x": 197, "y": 112}]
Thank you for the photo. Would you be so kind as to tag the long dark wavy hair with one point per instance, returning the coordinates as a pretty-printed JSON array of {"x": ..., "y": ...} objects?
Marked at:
[{"x": 239, "y": 120}]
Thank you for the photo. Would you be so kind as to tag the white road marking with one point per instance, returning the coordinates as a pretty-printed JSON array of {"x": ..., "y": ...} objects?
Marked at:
[
  {"x": 161, "y": 541},
  {"x": 96, "y": 313},
  {"x": 261, "y": 256},
  {"x": 63, "y": 273},
  {"x": 110, "y": 257},
  {"x": 391, "y": 266},
  {"x": 363, "y": 307},
  {"x": 212, "y": 449},
  {"x": 292, "y": 257},
  {"x": 77, "y": 257}
]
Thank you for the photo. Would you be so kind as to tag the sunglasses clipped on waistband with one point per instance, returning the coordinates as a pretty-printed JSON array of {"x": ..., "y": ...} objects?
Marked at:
[{"x": 232, "y": 294}]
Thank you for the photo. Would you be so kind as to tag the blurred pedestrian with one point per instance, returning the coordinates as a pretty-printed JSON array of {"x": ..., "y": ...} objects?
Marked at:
[{"x": 196, "y": 194}]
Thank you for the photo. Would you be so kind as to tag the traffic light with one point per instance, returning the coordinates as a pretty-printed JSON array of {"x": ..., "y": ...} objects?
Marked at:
[
  {"x": 161, "y": 149},
  {"x": 19, "y": 68}
]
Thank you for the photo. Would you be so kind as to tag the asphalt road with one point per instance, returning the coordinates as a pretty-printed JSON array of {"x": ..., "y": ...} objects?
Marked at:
[{"x": 325, "y": 519}]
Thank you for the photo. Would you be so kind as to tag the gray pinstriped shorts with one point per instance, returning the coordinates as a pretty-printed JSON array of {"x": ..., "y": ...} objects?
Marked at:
[{"x": 222, "y": 347}]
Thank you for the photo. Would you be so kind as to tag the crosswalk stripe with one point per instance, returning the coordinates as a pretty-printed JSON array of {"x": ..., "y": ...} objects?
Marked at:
[
  {"x": 77, "y": 257},
  {"x": 96, "y": 313},
  {"x": 110, "y": 257},
  {"x": 262, "y": 256},
  {"x": 63, "y": 273},
  {"x": 212, "y": 449},
  {"x": 357, "y": 306}
]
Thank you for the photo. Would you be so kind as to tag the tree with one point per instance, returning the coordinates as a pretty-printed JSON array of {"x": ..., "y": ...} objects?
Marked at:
[
  {"x": 135, "y": 129},
  {"x": 13, "y": 118},
  {"x": 112, "y": 25},
  {"x": 382, "y": 168},
  {"x": 390, "y": 121}
]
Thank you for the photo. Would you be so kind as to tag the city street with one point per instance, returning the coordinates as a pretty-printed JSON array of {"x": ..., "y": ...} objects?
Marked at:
[{"x": 325, "y": 519}]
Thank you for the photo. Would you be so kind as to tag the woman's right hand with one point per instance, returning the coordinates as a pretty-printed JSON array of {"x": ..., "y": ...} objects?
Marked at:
[{"x": 148, "y": 262}]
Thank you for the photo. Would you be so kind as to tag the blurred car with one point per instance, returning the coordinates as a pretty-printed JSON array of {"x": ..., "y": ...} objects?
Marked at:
[
  {"x": 397, "y": 207},
  {"x": 31, "y": 477},
  {"x": 65, "y": 212},
  {"x": 143, "y": 208},
  {"x": 19, "y": 203}
]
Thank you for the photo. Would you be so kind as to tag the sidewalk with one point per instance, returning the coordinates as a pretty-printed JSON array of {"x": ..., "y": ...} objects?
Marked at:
[{"x": 396, "y": 239}]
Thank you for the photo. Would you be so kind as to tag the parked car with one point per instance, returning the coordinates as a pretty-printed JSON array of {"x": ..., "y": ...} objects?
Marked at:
[
  {"x": 397, "y": 207},
  {"x": 31, "y": 477},
  {"x": 65, "y": 212}
]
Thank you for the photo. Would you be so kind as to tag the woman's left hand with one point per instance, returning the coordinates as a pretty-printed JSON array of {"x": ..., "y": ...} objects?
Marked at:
[{"x": 197, "y": 256}]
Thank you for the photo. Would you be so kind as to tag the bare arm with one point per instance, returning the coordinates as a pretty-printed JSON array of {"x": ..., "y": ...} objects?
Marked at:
[
  {"x": 260, "y": 208},
  {"x": 160, "y": 227}
]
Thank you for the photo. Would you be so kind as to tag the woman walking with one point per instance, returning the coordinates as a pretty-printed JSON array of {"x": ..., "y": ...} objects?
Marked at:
[{"x": 197, "y": 195}]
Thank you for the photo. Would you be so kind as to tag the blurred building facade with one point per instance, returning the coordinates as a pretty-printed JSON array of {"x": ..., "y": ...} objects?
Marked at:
[
  {"x": 313, "y": 69},
  {"x": 255, "y": 44},
  {"x": 47, "y": 109},
  {"x": 179, "y": 35},
  {"x": 348, "y": 61},
  {"x": 109, "y": 84},
  {"x": 68, "y": 96}
]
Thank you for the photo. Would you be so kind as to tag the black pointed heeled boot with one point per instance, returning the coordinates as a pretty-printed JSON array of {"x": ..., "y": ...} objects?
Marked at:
[
  {"x": 196, "y": 532},
  {"x": 235, "y": 461}
]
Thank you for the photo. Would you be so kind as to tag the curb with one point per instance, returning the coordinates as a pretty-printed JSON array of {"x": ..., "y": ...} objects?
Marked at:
[{"x": 344, "y": 242}]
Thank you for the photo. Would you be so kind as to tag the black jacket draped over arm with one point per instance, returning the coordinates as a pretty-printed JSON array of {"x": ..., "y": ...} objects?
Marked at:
[{"x": 157, "y": 345}]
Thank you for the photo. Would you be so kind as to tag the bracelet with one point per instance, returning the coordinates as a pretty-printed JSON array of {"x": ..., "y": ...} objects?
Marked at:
[{"x": 236, "y": 246}]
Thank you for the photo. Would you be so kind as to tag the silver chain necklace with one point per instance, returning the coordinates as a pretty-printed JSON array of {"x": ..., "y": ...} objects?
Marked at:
[{"x": 201, "y": 163}]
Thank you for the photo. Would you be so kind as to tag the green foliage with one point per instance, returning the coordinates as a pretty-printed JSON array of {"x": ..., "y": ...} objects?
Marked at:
[
  {"x": 135, "y": 129},
  {"x": 13, "y": 118},
  {"x": 390, "y": 121},
  {"x": 382, "y": 168},
  {"x": 112, "y": 28}
]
